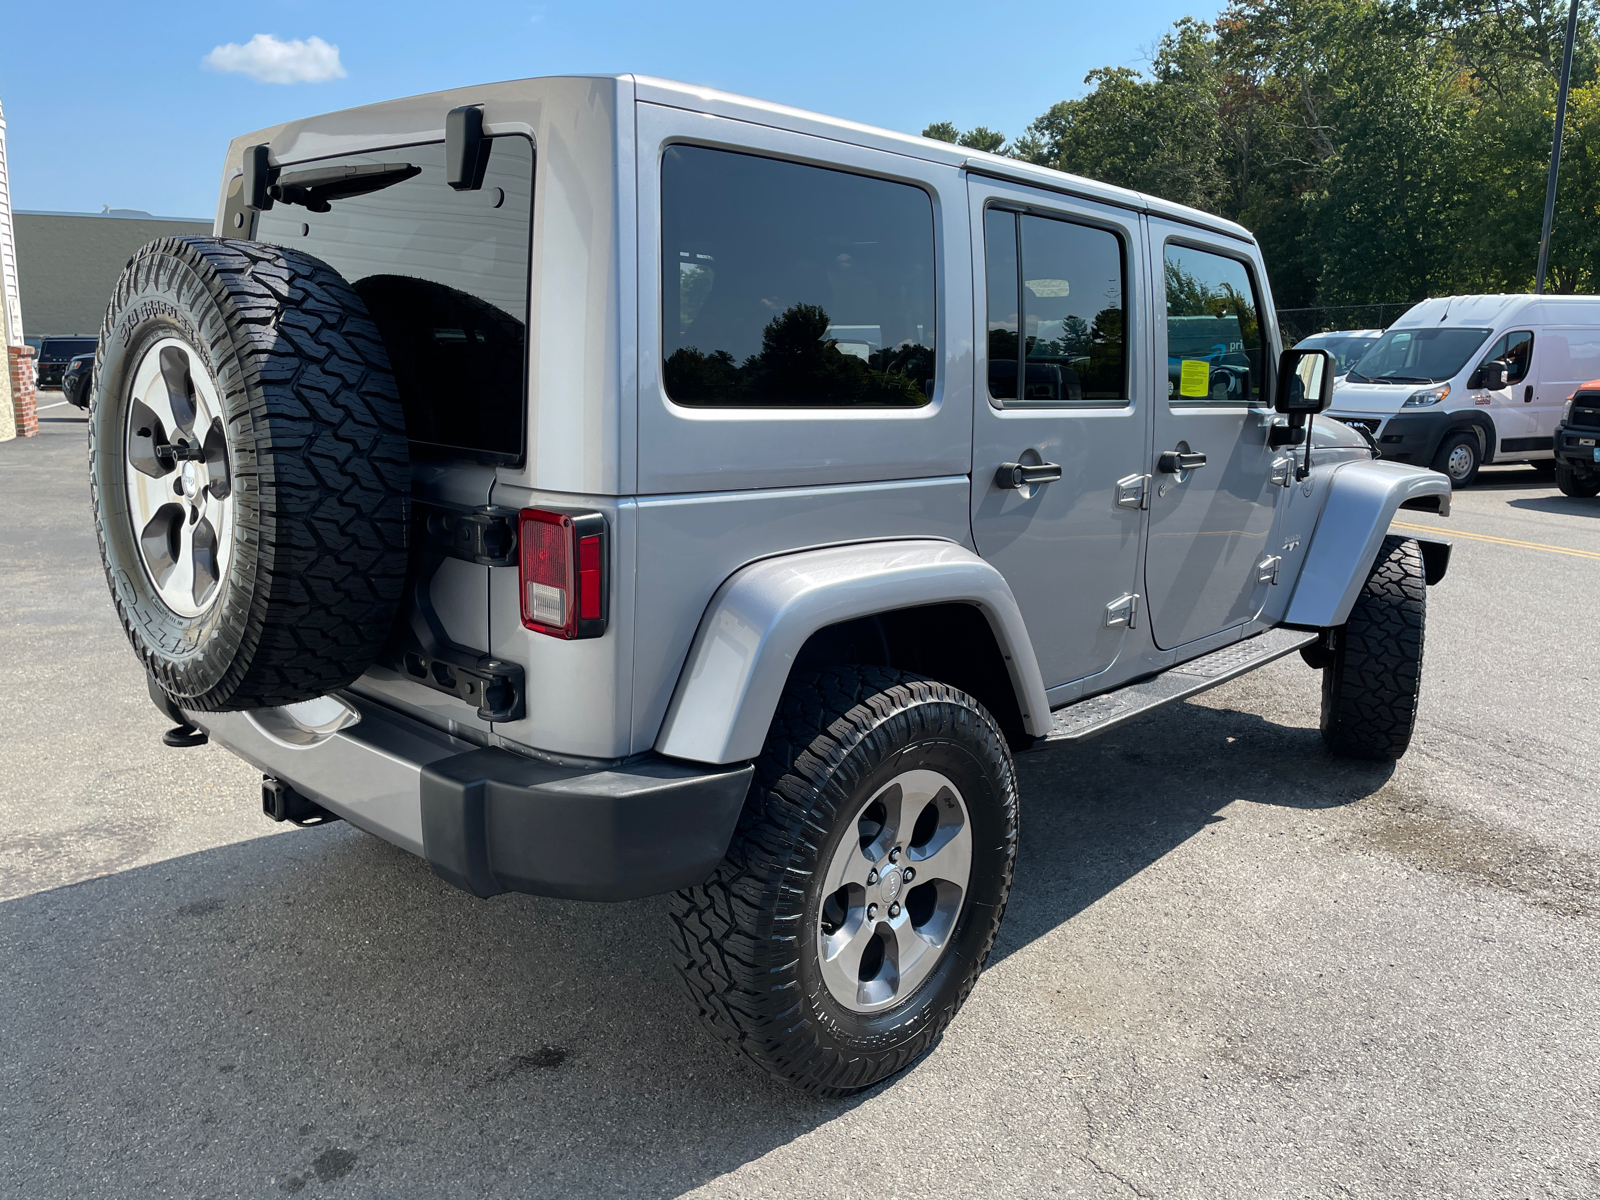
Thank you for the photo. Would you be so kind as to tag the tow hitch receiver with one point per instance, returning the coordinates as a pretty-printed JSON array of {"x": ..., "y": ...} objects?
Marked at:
[{"x": 282, "y": 803}]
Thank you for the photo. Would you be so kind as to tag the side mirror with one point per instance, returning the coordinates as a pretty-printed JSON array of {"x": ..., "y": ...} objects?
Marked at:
[
  {"x": 1493, "y": 375},
  {"x": 1305, "y": 382}
]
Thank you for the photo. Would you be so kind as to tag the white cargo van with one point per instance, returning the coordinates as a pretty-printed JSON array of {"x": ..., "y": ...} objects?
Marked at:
[{"x": 1461, "y": 381}]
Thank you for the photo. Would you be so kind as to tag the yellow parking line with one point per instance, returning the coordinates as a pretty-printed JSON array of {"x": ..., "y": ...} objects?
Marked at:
[{"x": 1499, "y": 541}]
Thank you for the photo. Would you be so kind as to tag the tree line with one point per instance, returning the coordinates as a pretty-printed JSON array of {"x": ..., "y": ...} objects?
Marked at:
[{"x": 1381, "y": 151}]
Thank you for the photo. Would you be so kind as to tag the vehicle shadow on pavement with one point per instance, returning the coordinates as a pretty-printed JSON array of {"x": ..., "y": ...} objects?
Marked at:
[
  {"x": 1567, "y": 506},
  {"x": 317, "y": 1006},
  {"x": 1095, "y": 816}
]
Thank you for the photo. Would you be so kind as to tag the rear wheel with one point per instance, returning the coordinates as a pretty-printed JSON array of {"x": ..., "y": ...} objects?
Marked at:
[
  {"x": 1572, "y": 483},
  {"x": 1459, "y": 458},
  {"x": 864, "y": 884},
  {"x": 1373, "y": 675}
]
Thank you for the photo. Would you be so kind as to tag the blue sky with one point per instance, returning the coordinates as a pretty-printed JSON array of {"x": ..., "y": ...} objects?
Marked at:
[{"x": 109, "y": 104}]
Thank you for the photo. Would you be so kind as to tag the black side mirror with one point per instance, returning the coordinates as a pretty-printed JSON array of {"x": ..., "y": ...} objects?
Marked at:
[
  {"x": 1492, "y": 375},
  {"x": 1305, "y": 382}
]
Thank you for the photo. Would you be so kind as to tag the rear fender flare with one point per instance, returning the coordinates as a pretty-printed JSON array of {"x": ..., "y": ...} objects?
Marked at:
[
  {"x": 762, "y": 615},
  {"x": 1363, "y": 498}
]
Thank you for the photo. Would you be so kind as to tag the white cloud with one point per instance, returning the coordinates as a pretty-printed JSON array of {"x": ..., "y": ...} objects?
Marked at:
[{"x": 266, "y": 59}]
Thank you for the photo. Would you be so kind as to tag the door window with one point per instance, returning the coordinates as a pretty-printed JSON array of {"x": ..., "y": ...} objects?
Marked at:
[
  {"x": 788, "y": 286},
  {"x": 1214, "y": 335},
  {"x": 1066, "y": 280},
  {"x": 1516, "y": 351}
]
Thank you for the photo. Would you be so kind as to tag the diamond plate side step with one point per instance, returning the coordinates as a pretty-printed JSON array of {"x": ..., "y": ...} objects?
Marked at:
[{"x": 1098, "y": 714}]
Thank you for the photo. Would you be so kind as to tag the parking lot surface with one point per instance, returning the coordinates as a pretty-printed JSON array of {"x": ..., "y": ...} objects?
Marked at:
[{"x": 1232, "y": 966}]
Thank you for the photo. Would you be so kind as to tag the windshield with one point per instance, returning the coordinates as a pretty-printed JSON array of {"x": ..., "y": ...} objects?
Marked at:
[
  {"x": 1417, "y": 355},
  {"x": 1346, "y": 350}
]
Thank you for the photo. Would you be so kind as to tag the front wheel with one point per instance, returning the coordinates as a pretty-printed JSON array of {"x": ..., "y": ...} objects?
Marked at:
[
  {"x": 1373, "y": 672},
  {"x": 1572, "y": 483},
  {"x": 1459, "y": 458},
  {"x": 865, "y": 882}
]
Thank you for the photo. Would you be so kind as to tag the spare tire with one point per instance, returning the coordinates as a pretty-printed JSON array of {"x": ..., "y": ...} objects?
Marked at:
[{"x": 250, "y": 474}]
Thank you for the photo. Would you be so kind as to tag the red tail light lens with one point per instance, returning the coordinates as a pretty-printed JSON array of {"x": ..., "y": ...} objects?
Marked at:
[{"x": 562, "y": 572}]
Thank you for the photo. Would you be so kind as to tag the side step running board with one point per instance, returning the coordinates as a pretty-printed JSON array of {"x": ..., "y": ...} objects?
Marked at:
[{"x": 1089, "y": 718}]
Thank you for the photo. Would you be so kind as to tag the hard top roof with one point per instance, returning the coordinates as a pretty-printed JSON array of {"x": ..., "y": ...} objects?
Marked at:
[{"x": 402, "y": 114}]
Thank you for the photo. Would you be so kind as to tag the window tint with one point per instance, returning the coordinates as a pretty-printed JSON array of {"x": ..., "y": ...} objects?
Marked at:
[
  {"x": 1070, "y": 294},
  {"x": 787, "y": 285},
  {"x": 445, "y": 276},
  {"x": 54, "y": 348},
  {"x": 1516, "y": 351},
  {"x": 1005, "y": 296},
  {"x": 1214, "y": 338}
]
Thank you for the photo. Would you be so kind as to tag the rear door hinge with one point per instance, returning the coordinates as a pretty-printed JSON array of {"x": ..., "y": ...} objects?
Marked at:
[
  {"x": 1123, "y": 611},
  {"x": 1133, "y": 491}
]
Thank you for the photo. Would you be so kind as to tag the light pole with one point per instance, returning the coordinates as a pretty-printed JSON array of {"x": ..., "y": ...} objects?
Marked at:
[{"x": 1555, "y": 148}]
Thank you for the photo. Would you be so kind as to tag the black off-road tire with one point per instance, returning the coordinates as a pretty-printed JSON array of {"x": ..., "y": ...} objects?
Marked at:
[
  {"x": 1466, "y": 443},
  {"x": 745, "y": 947},
  {"x": 1374, "y": 673},
  {"x": 319, "y": 464},
  {"x": 1573, "y": 484}
]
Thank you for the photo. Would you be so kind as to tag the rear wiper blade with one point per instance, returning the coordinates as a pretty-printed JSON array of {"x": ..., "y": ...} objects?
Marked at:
[{"x": 316, "y": 189}]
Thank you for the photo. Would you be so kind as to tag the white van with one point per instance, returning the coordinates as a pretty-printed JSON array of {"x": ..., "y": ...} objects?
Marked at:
[{"x": 1431, "y": 392}]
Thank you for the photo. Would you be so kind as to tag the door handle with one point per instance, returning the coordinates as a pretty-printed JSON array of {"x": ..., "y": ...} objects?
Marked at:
[
  {"x": 1174, "y": 461},
  {"x": 1015, "y": 475}
]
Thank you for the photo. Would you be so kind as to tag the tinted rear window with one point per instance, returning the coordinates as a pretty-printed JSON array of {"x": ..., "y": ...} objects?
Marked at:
[
  {"x": 787, "y": 285},
  {"x": 65, "y": 348},
  {"x": 445, "y": 276}
]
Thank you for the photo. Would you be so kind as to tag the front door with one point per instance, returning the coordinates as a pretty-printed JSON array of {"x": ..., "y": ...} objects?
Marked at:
[
  {"x": 1211, "y": 511},
  {"x": 1059, "y": 424},
  {"x": 1511, "y": 407}
]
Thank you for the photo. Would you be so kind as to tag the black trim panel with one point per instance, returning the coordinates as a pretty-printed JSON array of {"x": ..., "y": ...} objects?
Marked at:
[{"x": 493, "y": 821}]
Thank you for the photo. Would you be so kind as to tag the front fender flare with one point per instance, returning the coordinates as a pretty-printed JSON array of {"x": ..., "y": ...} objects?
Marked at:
[
  {"x": 1363, "y": 498},
  {"x": 762, "y": 615}
]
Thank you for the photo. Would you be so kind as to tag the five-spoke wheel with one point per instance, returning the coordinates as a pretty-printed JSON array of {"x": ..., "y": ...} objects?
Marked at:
[
  {"x": 894, "y": 891},
  {"x": 864, "y": 884},
  {"x": 180, "y": 486}
]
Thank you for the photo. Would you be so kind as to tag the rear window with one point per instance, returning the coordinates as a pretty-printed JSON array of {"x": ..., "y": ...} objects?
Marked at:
[
  {"x": 65, "y": 348},
  {"x": 445, "y": 276},
  {"x": 791, "y": 286}
]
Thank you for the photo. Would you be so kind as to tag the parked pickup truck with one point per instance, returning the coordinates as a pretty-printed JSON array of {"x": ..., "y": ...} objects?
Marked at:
[{"x": 605, "y": 487}]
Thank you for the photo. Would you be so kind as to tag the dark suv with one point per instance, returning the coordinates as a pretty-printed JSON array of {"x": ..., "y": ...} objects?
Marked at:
[{"x": 56, "y": 352}]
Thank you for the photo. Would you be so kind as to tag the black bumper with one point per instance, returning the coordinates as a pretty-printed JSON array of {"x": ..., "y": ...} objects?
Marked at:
[
  {"x": 1576, "y": 445},
  {"x": 1415, "y": 437},
  {"x": 493, "y": 821}
]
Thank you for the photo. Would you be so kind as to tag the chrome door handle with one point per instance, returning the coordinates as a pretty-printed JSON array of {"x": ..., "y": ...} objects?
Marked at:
[
  {"x": 1015, "y": 475},
  {"x": 1173, "y": 461}
]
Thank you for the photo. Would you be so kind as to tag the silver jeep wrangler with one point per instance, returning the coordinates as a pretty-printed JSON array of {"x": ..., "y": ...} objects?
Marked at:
[{"x": 603, "y": 487}]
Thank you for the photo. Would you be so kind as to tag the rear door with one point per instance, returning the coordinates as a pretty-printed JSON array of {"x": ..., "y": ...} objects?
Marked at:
[
  {"x": 1063, "y": 388},
  {"x": 1210, "y": 523}
]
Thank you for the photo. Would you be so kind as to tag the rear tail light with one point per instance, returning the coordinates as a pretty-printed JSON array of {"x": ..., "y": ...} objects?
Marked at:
[{"x": 562, "y": 562}]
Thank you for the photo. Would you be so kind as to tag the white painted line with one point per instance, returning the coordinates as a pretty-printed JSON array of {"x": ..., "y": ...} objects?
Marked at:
[{"x": 46, "y": 407}]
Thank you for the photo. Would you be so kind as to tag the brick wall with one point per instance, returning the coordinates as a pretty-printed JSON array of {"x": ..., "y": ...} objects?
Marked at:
[{"x": 23, "y": 405}]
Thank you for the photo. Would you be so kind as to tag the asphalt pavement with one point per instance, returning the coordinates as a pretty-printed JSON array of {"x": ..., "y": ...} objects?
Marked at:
[{"x": 1232, "y": 966}]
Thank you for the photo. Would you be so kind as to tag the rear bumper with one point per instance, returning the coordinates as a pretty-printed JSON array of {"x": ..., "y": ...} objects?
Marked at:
[{"x": 491, "y": 821}]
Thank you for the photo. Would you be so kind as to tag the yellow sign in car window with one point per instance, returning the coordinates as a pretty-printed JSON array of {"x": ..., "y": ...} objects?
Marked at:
[{"x": 1195, "y": 379}]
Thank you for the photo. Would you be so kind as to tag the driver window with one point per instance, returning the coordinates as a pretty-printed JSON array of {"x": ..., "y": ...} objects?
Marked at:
[
  {"x": 1214, "y": 340},
  {"x": 1516, "y": 351}
]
